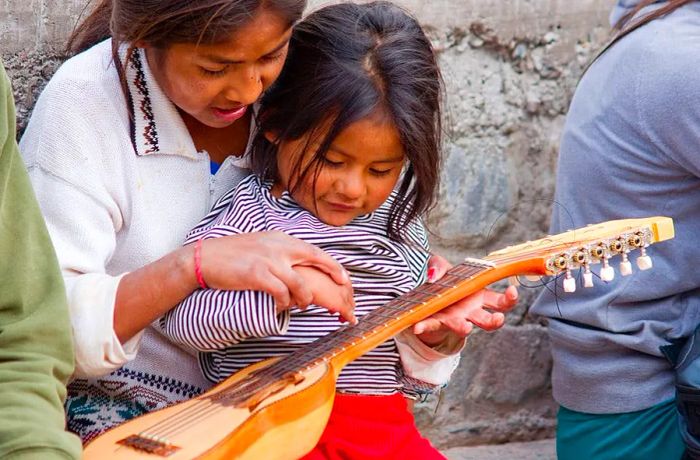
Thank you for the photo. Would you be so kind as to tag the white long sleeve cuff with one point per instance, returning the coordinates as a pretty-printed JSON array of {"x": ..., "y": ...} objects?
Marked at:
[
  {"x": 431, "y": 365},
  {"x": 97, "y": 349}
]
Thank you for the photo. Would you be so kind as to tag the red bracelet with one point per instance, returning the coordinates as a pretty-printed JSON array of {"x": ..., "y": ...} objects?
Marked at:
[{"x": 198, "y": 264}]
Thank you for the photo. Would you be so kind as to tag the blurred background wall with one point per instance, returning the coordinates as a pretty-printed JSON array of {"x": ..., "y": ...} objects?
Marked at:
[{"x": 510, "y": 67}]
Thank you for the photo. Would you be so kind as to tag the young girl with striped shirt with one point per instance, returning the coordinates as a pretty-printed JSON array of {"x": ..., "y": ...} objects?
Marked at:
[{"x": 347, "y": 158}]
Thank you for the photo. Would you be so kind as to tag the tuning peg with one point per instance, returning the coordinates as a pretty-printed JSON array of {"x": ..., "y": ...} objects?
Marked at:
[
  {"x": 644, "y": 261},
  {"x": 607, "y": 273},
  {"x": 625, "y": 268},
  {"x": 625, "y": 265},
  {"x": 587, "y": 277},
  {"x": 569, "y": 282}
]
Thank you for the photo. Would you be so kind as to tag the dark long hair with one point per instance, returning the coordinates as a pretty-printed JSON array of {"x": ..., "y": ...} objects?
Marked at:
[
  {"x": 346, "y": 62},
  {"x": 162, "y": 23}
]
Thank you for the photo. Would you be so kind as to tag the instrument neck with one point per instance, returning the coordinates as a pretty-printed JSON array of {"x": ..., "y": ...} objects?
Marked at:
[{"x": 350, "y": 342}]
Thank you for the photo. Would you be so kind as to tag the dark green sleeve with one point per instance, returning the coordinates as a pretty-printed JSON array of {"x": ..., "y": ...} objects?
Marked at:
[{"x": 36, "y": 350}]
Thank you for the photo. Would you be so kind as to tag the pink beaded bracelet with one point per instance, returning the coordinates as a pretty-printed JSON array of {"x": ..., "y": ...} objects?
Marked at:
[{"x": 198, "y": 264}]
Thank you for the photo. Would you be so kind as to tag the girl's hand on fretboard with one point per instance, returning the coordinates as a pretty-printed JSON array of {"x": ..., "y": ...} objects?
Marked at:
[{"x": 484, "y": 309}]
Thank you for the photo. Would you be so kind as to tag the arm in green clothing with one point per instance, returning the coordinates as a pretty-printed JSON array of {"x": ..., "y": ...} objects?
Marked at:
[{"x": 36, "y": 351}]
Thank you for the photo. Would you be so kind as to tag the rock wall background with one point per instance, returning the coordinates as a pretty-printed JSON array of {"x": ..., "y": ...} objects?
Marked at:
[{"x": 510, "y": 67}]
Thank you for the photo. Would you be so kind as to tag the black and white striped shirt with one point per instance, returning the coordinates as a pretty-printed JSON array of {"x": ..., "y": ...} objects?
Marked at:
[{"x": 234, "y": 329}]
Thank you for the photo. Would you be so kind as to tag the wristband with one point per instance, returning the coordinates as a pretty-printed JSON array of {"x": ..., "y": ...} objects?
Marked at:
[{"x": 198, "y": 264}]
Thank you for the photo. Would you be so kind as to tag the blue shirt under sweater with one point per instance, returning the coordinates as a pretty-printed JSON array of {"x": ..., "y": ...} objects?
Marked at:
[{"x": 631, "y": 148}]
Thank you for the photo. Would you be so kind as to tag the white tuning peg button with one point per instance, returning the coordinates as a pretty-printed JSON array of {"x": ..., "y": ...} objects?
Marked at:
[
  {"x": 607, "y": 273},
  {"x": 569, "y": 285},
  {"x": 644, "y": 262},
  {"x": 625, "y": 268},
  {"x": 587, "y": 279}
]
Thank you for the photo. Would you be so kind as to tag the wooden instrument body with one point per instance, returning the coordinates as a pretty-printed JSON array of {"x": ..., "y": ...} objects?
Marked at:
[{"x": 285, "y": 425}]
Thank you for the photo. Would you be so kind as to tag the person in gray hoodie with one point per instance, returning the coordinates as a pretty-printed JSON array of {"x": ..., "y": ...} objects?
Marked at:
[{"x": 630, "y": 148}]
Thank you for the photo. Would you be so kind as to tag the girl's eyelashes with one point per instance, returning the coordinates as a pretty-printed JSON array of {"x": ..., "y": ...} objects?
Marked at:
[
  {"x": 273, "y": 57},
  {"x": 331, "y": 163},
  {"x": 219, "y": 72},
  {"x": 373, "y": 171},
  {"x": 213, "y": 73},
  {"x": 380, "y": 172}
]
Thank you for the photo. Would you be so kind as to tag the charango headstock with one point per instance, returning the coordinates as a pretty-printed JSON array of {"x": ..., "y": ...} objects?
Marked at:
[{"x": 587, "y": 246}]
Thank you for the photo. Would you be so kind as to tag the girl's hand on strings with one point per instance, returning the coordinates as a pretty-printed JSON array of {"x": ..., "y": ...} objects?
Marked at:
[
  {"x": 326, "y": 293},
  {"x": 266, "y": 261},
  {"x": 484, "y": 309}
]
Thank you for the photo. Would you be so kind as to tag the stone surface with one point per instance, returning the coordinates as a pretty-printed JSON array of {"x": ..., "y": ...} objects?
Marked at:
[
  {"x": 536, "y": 450},
  {"x": 510, "y": 67},
  {"x": 500, "y": 392},
  {"x": 28, "y": 25}
]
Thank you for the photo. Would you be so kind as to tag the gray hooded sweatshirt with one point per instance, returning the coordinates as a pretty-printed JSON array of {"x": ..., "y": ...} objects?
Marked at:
[{"x": 631, "y": 148}]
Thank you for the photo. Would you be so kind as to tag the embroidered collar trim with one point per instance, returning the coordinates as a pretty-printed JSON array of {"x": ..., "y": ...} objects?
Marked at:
[{"x": 156, "y": 125}]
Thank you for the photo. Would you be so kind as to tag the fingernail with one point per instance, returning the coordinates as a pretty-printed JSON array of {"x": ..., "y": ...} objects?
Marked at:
[
  {"x": 431, "y": 274},
  {"x": 418, "y": 330}
]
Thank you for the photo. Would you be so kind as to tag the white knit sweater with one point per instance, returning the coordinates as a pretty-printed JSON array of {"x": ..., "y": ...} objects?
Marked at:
[{"x": 116, "y": 196}]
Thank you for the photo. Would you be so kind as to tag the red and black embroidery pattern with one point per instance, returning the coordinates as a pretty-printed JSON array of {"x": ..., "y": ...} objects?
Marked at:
[{"x": 150, "y": 134}]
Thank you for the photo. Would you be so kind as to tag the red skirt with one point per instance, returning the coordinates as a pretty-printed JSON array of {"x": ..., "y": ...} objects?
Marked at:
[{"x": 372, "y": 427}]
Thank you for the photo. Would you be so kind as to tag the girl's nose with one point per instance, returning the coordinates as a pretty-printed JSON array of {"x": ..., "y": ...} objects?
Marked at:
[
  {"x": 351, "y": 186},
  {"x": 246, "y": 87}
]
